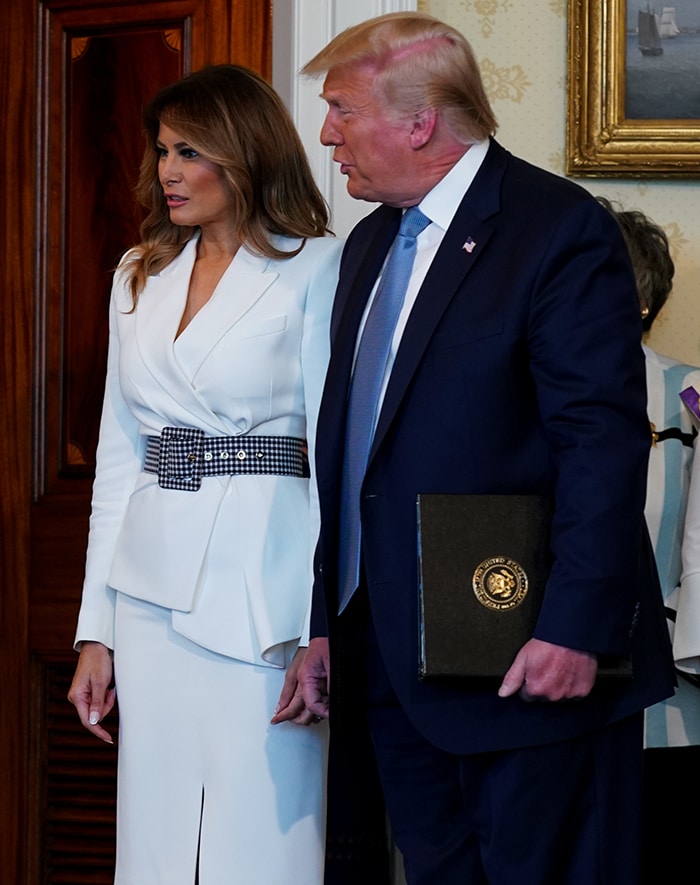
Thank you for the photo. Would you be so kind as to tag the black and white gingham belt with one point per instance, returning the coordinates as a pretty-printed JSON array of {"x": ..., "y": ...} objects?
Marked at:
[{"x": 181, "y": 456}]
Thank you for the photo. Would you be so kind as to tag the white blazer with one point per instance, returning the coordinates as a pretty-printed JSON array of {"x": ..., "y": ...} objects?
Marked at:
[{"x": 233, "y": 559}]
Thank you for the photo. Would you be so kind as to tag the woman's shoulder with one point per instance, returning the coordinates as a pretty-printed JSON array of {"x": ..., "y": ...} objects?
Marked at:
[
  {"x": 667, "y": 364},
  {"x": 313, "y": 248}
]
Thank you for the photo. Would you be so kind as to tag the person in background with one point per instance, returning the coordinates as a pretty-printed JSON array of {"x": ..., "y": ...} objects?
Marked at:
[
  {"x": 204, "y": 517},
  {"x": 672, "y": 727},
  {"x": 486, "y": 366}
]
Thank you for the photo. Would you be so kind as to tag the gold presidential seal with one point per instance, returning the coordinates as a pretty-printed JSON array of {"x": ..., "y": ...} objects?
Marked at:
[{"x": 500, "y": 583}]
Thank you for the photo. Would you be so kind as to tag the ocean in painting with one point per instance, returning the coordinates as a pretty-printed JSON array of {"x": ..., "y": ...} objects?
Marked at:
[
  {"x": 666, "y": 86},
  {"x": 687, "y": 12}
]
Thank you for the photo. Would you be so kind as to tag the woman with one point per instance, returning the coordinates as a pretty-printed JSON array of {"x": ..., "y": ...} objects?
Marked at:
[{"x": 204, "y": 519}]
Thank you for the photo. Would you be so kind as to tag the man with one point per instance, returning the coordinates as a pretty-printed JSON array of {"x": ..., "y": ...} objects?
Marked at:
[{"x": 514, "y": 366}]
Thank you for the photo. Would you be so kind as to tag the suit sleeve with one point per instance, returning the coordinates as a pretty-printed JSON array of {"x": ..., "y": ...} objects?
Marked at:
[
  {"x": 588, "y": 367},
  {"x": 314, "y": 358}
]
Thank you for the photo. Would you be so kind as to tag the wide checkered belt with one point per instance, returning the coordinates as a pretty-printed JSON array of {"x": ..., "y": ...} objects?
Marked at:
[{"x": 181, "y": 456}]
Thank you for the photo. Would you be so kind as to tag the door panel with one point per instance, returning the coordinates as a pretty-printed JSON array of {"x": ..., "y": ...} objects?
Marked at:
[{"x": 75, "y": 75}]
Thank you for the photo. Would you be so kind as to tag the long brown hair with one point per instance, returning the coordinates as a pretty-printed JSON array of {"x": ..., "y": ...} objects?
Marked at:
[{"x": 231, "y": 116}]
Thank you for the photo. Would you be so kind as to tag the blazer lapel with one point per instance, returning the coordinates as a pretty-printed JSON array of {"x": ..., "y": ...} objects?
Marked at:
[
  {"x": 242, "y": 285},
  {"x": 461, "y": 248},
  {"x": 173, "y": 364}
]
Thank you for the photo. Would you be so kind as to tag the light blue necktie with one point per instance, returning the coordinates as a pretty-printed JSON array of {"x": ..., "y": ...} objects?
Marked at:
[{"x": 363, "y": 402}]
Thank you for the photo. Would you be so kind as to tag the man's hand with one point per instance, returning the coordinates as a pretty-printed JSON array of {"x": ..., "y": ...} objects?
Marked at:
[
  {"x": 291, "y": 707},
  {"x": 314, "y": 677},
  {"x": 542, "y": 671},
  {"x": 90, "y": 692}
]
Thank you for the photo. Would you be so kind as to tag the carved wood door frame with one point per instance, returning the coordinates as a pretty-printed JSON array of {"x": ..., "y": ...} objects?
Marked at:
[{"x": 51, "y": 350}]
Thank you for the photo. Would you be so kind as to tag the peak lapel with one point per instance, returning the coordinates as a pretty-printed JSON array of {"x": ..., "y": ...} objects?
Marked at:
[
  {"x": 357, "y": 278},
  {"x": 361, "y": 264},
  {"x": 463, "y": 244},
  {"x": 173, "y": 363}
]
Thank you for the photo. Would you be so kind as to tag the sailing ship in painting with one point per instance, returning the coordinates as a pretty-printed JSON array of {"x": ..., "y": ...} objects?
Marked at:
[
  {"x": 667, "y": 23},
  {"x": 662, "y": 60},
  {"x": 648, "y": 33},
  {"x": 653, "y": 27}
]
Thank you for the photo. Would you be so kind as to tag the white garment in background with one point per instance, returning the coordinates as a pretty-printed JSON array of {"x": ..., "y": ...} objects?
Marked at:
[{"x": 676, "y": 721}]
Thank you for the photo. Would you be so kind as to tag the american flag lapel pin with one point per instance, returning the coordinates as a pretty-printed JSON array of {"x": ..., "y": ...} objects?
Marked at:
[{"x": 469, "y": 245}]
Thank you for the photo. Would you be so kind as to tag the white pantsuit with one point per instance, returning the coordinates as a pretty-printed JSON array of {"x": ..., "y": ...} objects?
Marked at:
[{"x": 204, "y": 595}]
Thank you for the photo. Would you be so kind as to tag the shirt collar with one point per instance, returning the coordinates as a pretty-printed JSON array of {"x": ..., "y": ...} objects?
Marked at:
[{"x": 441, "y": 203}]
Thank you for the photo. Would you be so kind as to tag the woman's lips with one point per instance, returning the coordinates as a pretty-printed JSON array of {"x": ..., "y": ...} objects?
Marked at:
[{"x": 174, "y": 200}]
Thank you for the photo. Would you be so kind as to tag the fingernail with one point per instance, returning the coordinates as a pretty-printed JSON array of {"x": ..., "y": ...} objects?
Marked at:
[{"x": 94, "y": 717}]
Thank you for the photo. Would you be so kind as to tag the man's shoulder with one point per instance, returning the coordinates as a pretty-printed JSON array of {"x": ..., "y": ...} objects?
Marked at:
[{"x": 522, "y": 175}]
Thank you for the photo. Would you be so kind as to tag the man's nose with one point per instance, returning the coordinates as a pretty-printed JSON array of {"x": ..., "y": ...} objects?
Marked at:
[{"x": 329, "y": 134}]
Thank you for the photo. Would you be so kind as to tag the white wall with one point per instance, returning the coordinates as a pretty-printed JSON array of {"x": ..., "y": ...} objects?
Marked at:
[{"x": 300, "y": 29}]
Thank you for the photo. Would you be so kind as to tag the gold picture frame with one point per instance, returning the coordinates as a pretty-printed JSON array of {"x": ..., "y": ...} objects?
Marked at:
[{"x": 601, "y": 140}]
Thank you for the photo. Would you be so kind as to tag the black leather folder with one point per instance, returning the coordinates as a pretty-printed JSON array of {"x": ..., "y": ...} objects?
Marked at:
[{"x": 483, "y": 567}]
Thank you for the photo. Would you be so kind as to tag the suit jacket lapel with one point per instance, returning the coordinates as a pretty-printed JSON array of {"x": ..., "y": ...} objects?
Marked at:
[
  {"x": 463, "y": 243},
  {"x": 356, "y": 283},
  {"x": 354, "y": 289},
  {"x": 372, "y": 241}
]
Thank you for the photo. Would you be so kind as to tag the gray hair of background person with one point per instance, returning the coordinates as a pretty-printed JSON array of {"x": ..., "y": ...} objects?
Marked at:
[
  {"x": 653, "y": 266},
  {"x": 419, "y": 63}
]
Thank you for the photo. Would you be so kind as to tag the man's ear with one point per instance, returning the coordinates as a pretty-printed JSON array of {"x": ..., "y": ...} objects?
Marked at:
[{"x": 424, "y": 124}]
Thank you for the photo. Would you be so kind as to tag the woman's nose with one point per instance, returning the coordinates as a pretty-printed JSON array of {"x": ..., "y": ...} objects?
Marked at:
[{"x": 168, "y": 170}]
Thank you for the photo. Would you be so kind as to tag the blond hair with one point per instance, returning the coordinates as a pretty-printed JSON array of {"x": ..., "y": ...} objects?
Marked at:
[
  {"x": 231, "y": 116},
  {"x": 418, "y": 63}
]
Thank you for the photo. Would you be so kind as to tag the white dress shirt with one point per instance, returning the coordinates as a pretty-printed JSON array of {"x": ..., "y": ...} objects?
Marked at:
[{"x": 439, "y": 205}]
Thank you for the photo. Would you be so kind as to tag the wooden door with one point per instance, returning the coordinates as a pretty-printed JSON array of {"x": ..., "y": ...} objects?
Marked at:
[{"x": 74, "y": 76}]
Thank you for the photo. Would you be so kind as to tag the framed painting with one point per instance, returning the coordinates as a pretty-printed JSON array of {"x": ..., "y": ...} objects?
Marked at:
[{"x": 633, "y": 89}]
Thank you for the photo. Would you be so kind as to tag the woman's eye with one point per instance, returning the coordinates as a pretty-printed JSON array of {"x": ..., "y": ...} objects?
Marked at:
[{"x": 188, "y": 153}]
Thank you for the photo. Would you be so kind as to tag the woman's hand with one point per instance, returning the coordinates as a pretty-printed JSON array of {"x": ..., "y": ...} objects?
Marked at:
[
  {"x": 90, "y": 692},
  {"x": 291, "y": 707}
]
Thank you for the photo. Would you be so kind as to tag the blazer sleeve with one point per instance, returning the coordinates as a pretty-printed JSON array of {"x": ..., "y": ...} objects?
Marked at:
[
  {"x": 686, "y": 636},
  {"x": 119, "y": 461}
]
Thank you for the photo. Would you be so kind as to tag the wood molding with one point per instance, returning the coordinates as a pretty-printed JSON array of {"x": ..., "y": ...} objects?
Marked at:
[{"x": 40, "y": 584}]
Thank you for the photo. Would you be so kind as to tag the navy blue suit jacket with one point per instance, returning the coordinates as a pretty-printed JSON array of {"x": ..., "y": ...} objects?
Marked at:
[{"x": 520, "y": 371}]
